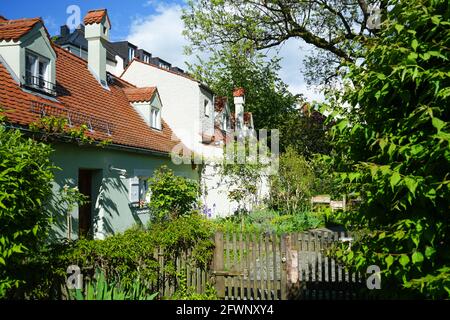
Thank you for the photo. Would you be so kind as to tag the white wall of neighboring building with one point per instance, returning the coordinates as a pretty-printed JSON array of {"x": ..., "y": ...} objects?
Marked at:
[{"x": 183, "y": 109}]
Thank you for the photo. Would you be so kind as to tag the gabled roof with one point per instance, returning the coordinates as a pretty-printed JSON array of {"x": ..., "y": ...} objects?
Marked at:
[
  {"x": 16, "y": 29},
  {"x": 140, "y": 94},
  {"x": 82, "y": 95},
  {"x": 96, "y": 16}
]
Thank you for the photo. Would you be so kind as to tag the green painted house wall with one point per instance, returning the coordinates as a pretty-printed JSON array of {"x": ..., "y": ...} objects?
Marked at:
[{"x": 110, "y": 193}]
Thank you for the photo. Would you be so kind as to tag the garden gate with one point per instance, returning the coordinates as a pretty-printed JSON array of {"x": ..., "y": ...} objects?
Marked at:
[{"x": 271, "y": 267}]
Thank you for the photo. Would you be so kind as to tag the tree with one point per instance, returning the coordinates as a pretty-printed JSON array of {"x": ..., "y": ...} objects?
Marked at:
[
  {"x": 290, "y": 189},
  {"x": 334, "y": 27},
  {"x": 26, "y": 175},
  {"x": 239, "y": 66},
  {"x": 393, "y": 146}
]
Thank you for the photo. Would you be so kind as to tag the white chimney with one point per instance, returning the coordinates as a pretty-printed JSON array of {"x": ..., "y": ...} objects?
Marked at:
[
  {"x": 97, "y": 26},
  {"x": 239, "y": 101}
]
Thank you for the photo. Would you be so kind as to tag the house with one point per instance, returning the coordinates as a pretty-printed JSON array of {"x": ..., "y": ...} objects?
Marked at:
[
  {"x": 202, "y": 121},
  {"x": 39, "y": 79}
]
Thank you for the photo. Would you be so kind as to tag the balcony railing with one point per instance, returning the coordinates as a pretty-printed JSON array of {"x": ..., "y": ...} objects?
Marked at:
[
  {"x": 39, "y": 84},
  {"x": 74, "y": 118}
]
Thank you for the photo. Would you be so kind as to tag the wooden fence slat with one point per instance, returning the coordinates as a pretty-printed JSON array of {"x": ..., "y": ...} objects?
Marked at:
[
  {"x": 241, "y": 266},
  {"x": 267, "y": 274},
  {"x": 274, "y": 271},
  {"x": 284, "y": 267},
  {"x": 261, "y": 268},
  {"x": 255, "y": 268}
]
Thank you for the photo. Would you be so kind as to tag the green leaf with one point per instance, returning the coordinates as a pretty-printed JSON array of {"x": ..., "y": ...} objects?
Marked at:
[
  {"x": 417, "y": 257},
  {"x": 411, "y": 184},
  {"x": 389, "y": 261},
  {"x": 438, "y": 123},
  {"x": 414, "y": 44},
  {"x": 429, "y": 252},
  {"x": 395, "y": 178},
  {"x": 404, "y": 260}
]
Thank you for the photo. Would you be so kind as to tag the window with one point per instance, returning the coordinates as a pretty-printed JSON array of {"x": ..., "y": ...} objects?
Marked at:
[
  {"x": 36, "y": 72},
  {"x": 131, "y": 53},
  {"x": 155, "y": 118},
  {"x": 139, "y": 190},
  {"x": 206, "y": 108},
  {"x": 224, "y": 122},
  {"x": 146, "y": 58}
]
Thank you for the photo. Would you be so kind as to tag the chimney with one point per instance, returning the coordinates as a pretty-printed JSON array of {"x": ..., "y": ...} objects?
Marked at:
[
  {"x": 97, "y": 26},
  {"x": 64, "y": 31},
  {"x": 239, "y": 101}
]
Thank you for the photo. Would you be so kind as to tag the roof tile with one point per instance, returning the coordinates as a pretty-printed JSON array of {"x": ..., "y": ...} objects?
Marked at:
[
  {"x": 15, "y": 29},
  {"x": 84, "y": 95}
]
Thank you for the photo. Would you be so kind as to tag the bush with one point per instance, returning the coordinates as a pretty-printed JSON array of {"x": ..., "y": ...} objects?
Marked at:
[
  {"x": 393, "y": 143},
  {"x": 25, "y": 191},
  {"x": 291, "y": 188},
  {"x": 171, "y": 196},
  {"x": 268, "y": 221}
]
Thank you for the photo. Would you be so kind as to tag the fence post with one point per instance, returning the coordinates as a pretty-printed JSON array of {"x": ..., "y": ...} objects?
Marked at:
[
  {"x": 283, "y": 255},
  {"x": 218, "y": 264}
]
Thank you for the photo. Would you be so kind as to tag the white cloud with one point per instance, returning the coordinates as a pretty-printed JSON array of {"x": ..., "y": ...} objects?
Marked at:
[{"x": 161, "y": 34}]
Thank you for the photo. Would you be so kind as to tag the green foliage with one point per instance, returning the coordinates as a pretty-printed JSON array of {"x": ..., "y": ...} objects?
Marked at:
[
  {"x": 100, "y": 289},
  {"x": 290, "y": 189},
  {"x": 171, "y": 196},
  {"x": 393, "y": 144},
  {"x": 244, "y": 172},
  {"x": 190, "y": 293},
  {"x": 238, "y": 66},
  {"x": 268, "y": 221},
  {"x": 52, "y": 128},
  {"x": 25, "y": 191}
]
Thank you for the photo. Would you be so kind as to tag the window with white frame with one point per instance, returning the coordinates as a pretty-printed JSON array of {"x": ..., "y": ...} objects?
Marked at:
[
  {"x": 206, "y": 108},
  {"x": 155, "y": 118},
  {"x": 146, "y": 58},
  {"x": 139, "y": 192},
  {"x": 131, "y": 53},
  {"x": 37, "y": 71}
]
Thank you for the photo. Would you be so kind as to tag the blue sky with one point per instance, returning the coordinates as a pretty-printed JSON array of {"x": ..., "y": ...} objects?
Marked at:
[
  {"x": 122, "y": 13},
  {"x": 153, "y": 25}
]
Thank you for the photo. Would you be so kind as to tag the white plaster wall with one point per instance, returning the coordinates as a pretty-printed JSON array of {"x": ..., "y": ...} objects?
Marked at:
[{"x": 179, "y": 96}]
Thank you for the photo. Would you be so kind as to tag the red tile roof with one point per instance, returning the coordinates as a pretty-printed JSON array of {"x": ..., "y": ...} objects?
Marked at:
[
  {"x": 2, "y": 18},
  {"x": 81, "y": 93},
  {"x": 15, "y": 29},
  {"x": 140, "y": 94},
  {"x": 96, "y": 16},
  {"x": 238, "y": 92}
]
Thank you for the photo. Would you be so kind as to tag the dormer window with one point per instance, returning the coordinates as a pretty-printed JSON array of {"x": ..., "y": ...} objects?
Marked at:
[
  {"x": 37, "y": 73},
  {"x": 155, "y": 118},
  {"x": 131, "y": 53}
]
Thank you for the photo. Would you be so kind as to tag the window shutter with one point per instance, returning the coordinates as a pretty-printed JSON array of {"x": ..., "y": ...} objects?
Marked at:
[{"x": 134, "y": 189}]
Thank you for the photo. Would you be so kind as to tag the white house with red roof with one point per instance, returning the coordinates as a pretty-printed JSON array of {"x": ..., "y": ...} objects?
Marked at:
[{"x": 40, "y": 79}]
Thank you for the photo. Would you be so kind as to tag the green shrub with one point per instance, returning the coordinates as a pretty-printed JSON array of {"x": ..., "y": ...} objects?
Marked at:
[
  {"x": 25, "y": 192},
  {"x": 171, "y": 195},
  {"x": 269, "y": 221},
  {"x": 393, "y": 145},
  {"x": 291, "y": 188}
]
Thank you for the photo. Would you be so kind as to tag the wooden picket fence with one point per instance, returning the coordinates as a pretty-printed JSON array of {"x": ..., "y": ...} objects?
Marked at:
[
  {"x": 250, "y": 266},
  {"x": 196, "y": 279},
  {"x": 272, "y": 267}
]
